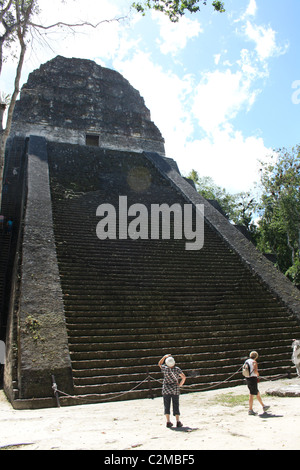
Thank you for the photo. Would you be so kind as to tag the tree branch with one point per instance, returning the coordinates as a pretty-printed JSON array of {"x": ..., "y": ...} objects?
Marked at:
[
  {"x": 5, "y": 10},
  {"x": 76, "y": 25}
]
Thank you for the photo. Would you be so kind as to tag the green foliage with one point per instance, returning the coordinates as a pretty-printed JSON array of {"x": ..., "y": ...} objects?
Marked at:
[
  {"x": 32, "y": 327},
  {"x": 278, "y": 229},
  {"x": 238, "y": 208},
  {"x": 293, "y": 273},
  {"x": 280, "y": 210},
  {"x": 174, "y": 9}
]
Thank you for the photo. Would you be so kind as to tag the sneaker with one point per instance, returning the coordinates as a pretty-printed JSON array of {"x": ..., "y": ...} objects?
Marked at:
[
  {"x": 265, "y": 408},
  {"x": 179, "y": 424},
  {"x": 169, "y": 424},
  {"x": 252, "y": 413}
]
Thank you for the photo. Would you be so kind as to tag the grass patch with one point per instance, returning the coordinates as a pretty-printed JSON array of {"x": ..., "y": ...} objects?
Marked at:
[{"x": 231, "y": 400}]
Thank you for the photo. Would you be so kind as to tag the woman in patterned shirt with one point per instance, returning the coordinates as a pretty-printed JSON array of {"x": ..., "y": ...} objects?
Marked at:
[{"x": 171, "y": 387}]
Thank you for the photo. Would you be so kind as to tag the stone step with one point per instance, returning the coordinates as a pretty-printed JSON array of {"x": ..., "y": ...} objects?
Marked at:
[
  {"x": 74, "y": 292},
  {"x": 126, "y": 382},
  {"x": 151, "y": 334},
  {"x": 102, "y": 359},
  {"x": 137, "y": 318},
  {"x": 194, "y": 316},
  {"x": 230, "y": 360},
  {"x": 130, "y": 312},
  {"x": 95, "y": 341},
  {"x": 199, "y": 334}
]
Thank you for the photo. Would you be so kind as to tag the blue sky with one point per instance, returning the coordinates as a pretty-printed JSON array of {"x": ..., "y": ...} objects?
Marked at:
[{"x": 218, "y": 86}]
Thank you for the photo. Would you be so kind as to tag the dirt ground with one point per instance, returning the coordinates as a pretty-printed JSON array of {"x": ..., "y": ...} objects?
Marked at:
[{"x": 212, "y": 420}]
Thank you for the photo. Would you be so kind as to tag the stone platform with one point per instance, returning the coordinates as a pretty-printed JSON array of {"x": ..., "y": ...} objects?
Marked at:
[{"x": 292, "y": 390}]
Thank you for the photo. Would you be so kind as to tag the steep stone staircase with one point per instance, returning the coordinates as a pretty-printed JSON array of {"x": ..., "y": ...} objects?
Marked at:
[{"x": 129, "y": 302}]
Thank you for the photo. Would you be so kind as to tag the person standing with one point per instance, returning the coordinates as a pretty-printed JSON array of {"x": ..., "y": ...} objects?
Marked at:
[
  {"x": 296, "y": 355},
  {"x": 9, "y": 226},
  {"x": 171, "y": 388},
  {"x": 252, "y": 383}
]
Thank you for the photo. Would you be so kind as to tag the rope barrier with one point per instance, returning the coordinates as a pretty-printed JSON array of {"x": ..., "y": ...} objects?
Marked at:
[
  {"x": 149, "y": 377},
  {"x": 277, "y": 377},
  {"x": 206, "y": 388},
  {"x": 79, "y": 397}
]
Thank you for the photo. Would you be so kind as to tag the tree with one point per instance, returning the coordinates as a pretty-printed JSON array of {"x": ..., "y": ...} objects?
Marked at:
[
  {"x": 16, "y": 22},
  {"x": 174, "y": 9},
  {"x": 239, "y": 208},
  {"x": 244, "y": 209},
  {"x": 206, "y": 186},
  {"x": 14, "y": 16},
  {"x": 279, "y": 226}
]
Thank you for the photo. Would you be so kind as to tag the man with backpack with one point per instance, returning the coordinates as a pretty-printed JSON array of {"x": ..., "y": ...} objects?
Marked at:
[{"x": 252, "y": 381}]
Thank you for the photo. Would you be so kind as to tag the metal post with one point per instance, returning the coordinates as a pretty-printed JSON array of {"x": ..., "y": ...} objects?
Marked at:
[
  {"x": 149, "y": 384},
  {"x": 55, "y": 391}
]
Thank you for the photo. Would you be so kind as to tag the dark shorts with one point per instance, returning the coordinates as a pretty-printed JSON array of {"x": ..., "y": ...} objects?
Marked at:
[
  {"x": 252, "y": 385},
  {"x": 175, "y": 403}
]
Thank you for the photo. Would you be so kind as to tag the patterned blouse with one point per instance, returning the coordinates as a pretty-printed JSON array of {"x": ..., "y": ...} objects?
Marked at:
[{"x": 171, "y": 380}]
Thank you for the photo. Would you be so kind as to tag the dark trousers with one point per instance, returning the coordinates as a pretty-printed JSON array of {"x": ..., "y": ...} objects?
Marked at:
[{"x": 175, "y": 403}]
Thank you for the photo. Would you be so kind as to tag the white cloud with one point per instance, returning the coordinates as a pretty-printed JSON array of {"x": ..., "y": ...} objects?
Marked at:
[
  {"x": 86, "y": 41},
  {"x": 229, "y": 158},
  {"x": 165, "y": 94},
  {"x": 263, "y": 36},
  {"x": 220, "y": 96},
  {"x": 251, "y": 9},
  {"x": 174, "y": 36},
  {"x": 77, "y": 11},
  {"x": 251, "y": 68},
  {"x": 183, "y": 109},
  {"x": 223, "y": 152},
  {"x": 265, "y": 41}
]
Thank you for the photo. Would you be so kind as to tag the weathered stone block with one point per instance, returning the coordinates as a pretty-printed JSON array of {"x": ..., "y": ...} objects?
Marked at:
[{"x": 43, "y": 343}]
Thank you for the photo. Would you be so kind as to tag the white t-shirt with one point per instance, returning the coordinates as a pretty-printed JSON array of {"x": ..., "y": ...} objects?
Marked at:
[{"x": 251, "y": 364}]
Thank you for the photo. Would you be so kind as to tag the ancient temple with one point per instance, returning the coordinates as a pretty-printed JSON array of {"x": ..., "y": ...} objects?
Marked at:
[
  {"x": 98, "y": 312},
  {"x": 78, "y": 102}
]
